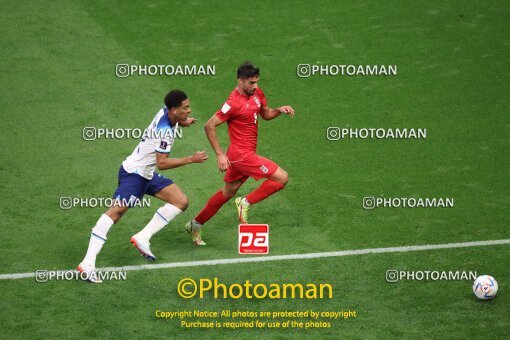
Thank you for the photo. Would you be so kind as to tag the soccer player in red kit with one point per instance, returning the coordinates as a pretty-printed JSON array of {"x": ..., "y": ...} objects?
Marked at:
[{"x": 241, "y": 110}]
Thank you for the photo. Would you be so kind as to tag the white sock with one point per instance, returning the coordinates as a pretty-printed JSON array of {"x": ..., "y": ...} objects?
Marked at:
[
  {"x": 161, "y": 218},
  {"x": 196, "y": 225},
  {"x": 245, "y": 201},
  {"x": 98, "y": 238}
]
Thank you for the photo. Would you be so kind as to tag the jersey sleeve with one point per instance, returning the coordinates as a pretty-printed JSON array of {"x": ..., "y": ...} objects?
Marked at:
[
  {"x": 263, "y": 100},
  {"x": 228, "y": 110},
  {"x": 165, "y": 141}
]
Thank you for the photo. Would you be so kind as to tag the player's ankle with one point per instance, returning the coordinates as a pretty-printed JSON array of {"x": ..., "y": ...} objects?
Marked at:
[
  {"x": 142, "y": 237},
  {"x": 196, "y": 225},
  {"x": 89, "y": 262}
]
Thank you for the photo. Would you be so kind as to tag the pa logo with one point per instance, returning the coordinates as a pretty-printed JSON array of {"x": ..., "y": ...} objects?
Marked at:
[{"x": 253, "y": 239}]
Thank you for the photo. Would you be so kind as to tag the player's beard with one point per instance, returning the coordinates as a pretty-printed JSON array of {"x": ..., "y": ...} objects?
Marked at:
[{"x": 246, "y": 92}]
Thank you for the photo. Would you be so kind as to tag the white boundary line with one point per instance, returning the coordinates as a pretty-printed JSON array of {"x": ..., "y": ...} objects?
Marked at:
[{"x": 281, "y": 257}]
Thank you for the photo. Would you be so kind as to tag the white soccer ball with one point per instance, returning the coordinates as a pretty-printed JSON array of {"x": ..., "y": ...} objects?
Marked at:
[{"x": 485, "y": 287}]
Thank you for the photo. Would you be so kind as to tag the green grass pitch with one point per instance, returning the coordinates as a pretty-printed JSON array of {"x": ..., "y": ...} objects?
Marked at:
[{"x": 58, "y": 75}]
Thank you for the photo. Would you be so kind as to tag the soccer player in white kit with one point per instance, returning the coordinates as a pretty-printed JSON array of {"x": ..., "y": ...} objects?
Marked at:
[{"x": 137, "y": 178}]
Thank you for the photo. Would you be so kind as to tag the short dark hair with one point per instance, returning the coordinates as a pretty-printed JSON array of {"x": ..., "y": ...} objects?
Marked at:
[
  {"x": 247, "y": 70},
  {"x": 175, "y": 98}
]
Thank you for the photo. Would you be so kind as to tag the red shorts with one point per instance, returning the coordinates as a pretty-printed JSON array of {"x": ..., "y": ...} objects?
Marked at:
[{"x": 247, "y": 165}]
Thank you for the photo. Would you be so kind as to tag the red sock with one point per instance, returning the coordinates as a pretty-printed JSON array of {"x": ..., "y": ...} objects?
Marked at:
[
  {"x": 213, "y": 205},
  {"x": 267, "y": 188}
]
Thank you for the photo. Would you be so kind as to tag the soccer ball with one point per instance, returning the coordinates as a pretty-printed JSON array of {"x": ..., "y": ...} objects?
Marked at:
[{"x": 485, "y": 287}]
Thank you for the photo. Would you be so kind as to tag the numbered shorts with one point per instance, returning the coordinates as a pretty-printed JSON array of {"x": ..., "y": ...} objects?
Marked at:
[
  {"x": 132, "y": 186},
  {"x": 250, "y": 165}
]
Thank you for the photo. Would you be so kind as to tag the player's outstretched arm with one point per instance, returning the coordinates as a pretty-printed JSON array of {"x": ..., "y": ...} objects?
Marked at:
[
  {"x": 165, "y": 163},
  {"x": 210, "y": 131},
  {"x": 188, "y": 122},
  {"x": 268, "y": 113}
]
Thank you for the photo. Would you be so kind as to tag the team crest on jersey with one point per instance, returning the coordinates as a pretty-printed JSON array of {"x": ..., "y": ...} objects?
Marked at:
[
  {"x": 256, "y": 101},
  {"x": 163, "y": 145},
  {"x": 264, "y": 169}
]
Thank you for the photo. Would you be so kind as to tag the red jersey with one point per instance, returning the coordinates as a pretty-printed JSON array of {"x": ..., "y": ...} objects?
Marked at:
[{"x": 241, "y": 113}]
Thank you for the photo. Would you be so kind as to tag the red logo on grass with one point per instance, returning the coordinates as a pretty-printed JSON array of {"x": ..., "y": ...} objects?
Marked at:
[{"x": 253, "y": 239}]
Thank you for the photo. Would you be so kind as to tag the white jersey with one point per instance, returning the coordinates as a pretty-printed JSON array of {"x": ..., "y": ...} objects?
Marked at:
[{"x": 159, "y": 137}]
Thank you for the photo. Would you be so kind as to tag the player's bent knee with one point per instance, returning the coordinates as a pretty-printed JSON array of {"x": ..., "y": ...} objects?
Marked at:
[
  {"x": 115, "y": 213},
  {"x": 182, "y": 202},
  {"x": 282, "y": 177},
  {"x": 285, "y": 178},
  {"x": 230, "y": 190},
  {"x": 228, "y": 193}
]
